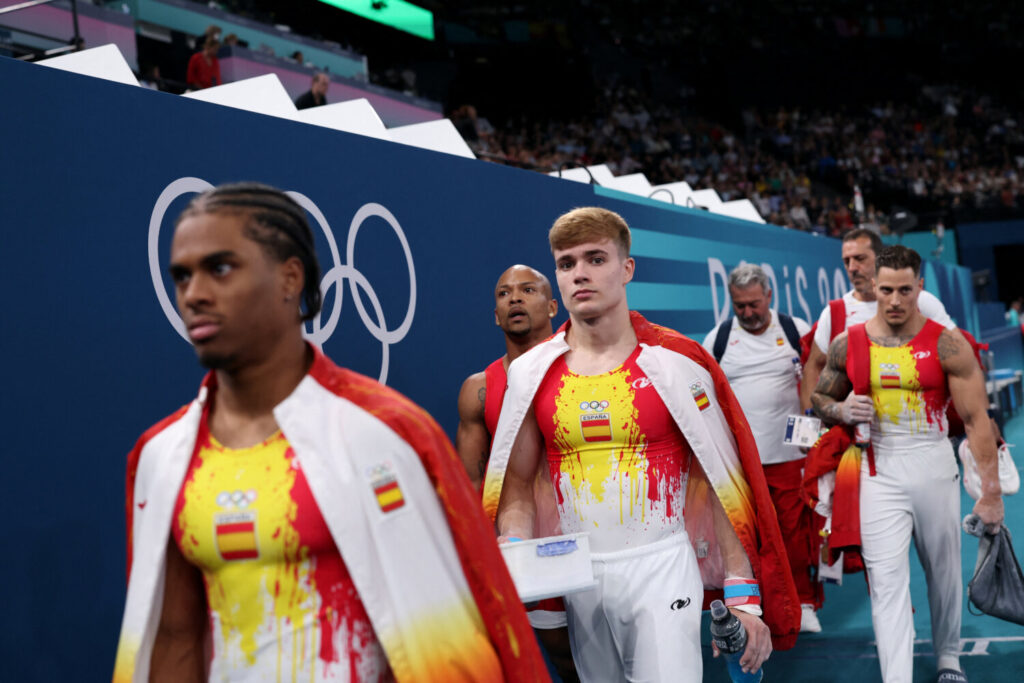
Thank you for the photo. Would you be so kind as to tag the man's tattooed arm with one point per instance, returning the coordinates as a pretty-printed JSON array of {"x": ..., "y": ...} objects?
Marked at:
[
  {"x": 966, "y": 384},
  {"x": 950, "y": 344},
  {"x": 833, "y": 384}
]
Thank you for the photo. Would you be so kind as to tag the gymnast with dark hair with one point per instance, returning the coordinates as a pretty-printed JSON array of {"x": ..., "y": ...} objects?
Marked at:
[
  {"x": 276, "y": 221},
  {"x": 298, "y": 520}
]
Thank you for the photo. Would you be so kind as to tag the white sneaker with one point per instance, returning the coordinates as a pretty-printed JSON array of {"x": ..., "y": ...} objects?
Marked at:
[{"x": 809, "y": 620}]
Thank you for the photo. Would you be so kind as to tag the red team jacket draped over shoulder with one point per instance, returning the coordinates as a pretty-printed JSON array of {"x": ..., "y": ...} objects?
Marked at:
[
  {"x": 432, "y": 579},
  {"x": 697, "y": 395}
]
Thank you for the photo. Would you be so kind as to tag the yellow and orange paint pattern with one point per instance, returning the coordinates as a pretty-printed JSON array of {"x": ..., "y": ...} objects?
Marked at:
[
  {"x": 905, "y": 401},
  {"x": 614, "y": 455},
  {"x": 447, "y": 645},
  {"x": 280, "y": 598}
]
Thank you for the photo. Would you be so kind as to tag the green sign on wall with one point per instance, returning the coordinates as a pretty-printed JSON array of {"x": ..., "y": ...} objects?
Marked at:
[{"x": 395, "y": 13}]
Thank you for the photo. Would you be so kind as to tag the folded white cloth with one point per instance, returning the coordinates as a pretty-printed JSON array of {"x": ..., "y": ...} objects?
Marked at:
[{"x": 1009, "y": 477}]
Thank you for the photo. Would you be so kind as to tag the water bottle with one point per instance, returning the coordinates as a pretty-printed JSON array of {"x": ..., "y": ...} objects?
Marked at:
[
  {"x": 862, "y": 434},
  {"x": 730, "y": 638}
]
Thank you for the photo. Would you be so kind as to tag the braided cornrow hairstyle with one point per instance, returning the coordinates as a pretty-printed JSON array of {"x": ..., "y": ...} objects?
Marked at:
[{"x": 278, "y": 224}]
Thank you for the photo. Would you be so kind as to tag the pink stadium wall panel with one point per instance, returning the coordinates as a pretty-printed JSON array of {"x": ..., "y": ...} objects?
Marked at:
[
  {"x": 97, "y": 26},
  {"x": 392, "y": 110}
]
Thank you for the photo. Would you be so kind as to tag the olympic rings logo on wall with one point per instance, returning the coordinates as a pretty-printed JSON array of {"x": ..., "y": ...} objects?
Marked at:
[{"x": 319, "y": 331}]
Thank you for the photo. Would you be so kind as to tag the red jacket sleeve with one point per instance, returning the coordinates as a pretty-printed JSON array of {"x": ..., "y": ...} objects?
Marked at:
[
  {"x": 765, "y": 547},
  {"x": 132, "y": 469},
  {"x": 192, "y": 76}
]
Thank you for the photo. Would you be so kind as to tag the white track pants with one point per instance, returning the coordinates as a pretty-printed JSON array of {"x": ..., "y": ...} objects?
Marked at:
[
  {"x": 914, "y": 494},
  {"x": 642, "y": 621}
]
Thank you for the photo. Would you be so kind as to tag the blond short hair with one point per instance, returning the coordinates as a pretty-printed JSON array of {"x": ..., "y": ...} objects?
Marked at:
[{"x": 590, "y": 224}]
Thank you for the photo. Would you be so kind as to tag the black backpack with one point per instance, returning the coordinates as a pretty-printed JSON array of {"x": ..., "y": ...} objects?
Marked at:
[{"x": 722, "y": 338}]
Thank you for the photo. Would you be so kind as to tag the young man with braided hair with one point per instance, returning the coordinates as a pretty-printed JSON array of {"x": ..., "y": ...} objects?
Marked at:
[
  {"x": 648, "y": 451},
  {"x": 898, "y": 372},
  {"x": 298, "y": 520}
]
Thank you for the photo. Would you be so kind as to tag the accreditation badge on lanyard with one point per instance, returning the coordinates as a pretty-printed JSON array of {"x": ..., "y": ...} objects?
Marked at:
[{"x": 802, "y": 431}]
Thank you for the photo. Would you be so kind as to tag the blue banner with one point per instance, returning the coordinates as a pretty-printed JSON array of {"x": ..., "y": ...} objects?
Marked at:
[{"x": 411, "y": 244}]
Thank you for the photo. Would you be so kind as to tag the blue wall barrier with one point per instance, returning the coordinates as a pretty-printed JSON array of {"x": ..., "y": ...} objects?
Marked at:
[
  {"x": 1006, "y": 346},
  {"x": 927, "y": 243},
  {"x": 411, "y": 242},
  {"x": 1004, "y": 340},
  {"x": 978, "y": 242}
]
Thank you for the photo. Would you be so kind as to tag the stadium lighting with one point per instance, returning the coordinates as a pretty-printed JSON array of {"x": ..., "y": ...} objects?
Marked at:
[{"x": 395, "y": 13}]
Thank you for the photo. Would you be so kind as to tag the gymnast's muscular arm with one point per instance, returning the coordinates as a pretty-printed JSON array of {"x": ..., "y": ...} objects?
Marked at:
[
  {"x": 759, "y": 637},
  {"x": 179, "y": 653},
  {"x": 517, "y": 508},
  {"x": 812, "y": 372},
  {"x": 967, "y": 388},
  {"x": 472, "y": 442},
  {"x": 833, "y": 400}
]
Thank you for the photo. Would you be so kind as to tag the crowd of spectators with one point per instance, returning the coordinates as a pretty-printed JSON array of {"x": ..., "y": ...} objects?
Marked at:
[
  {"x": 947, "y": 152},
  {"x": 944, "y": 153}
]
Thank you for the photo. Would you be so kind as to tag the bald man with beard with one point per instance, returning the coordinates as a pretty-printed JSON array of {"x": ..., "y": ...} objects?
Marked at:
[{"x": 523, "y": 308}]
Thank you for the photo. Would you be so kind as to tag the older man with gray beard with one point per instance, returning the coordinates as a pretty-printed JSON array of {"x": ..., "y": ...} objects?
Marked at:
[{"x": 759, "y": 352}]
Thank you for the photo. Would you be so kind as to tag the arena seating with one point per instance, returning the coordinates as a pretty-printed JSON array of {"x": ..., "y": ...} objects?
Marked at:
[{"x": 266, "y": 95}]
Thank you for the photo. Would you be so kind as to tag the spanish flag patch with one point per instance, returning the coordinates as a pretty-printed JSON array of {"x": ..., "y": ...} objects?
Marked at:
[
  {"x": 596, "y": 427},
  {"x": 236, "y": 536},
  {"x": 889, "y": 375},
  {"x": 700, "y": 396},
  {"x": 389, "y": 495}
]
